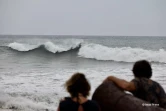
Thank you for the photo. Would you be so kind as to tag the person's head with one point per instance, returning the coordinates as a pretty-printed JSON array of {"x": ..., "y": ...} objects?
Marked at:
[
  {"x": 142, "y": 68},
  {"x": 78, "y": 84}
]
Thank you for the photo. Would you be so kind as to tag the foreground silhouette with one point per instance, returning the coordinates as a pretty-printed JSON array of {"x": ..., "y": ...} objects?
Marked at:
[{"x": 112, "y": 98}]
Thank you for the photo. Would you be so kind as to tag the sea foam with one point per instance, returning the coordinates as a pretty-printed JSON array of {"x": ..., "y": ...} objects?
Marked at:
[
  {"x": 122, "y": 54},
  {"x": 49, "y": 46},
  {"x": 22, "y": 47},
  {"x": 19, "y": 103}
]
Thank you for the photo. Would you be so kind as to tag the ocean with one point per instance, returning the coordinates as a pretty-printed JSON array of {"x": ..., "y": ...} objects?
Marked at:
[{"x": 33, "y": 69}]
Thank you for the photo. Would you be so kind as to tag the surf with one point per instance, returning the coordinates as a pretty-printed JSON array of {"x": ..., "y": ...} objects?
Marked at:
[
  {"x": 121, "y": 54},
  {"x": 47, "y": 46},
  {"x": 95, "y": 51}
]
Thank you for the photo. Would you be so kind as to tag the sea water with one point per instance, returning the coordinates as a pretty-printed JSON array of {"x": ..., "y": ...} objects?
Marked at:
[{"x": 33, "y": 69}]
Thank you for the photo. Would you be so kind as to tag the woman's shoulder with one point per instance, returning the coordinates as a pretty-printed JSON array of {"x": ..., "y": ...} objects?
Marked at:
[
  {"x": 91, "y": 103},
  {"x": 65, "y": 100}
]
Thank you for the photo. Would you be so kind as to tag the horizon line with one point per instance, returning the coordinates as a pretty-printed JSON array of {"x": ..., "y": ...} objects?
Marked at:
[{"x": 83, "y": 35}]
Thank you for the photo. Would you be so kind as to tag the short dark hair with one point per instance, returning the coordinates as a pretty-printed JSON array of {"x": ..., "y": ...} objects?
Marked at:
[
  {"x": 78, "y": 84},
  {"x": 142, "y": 68}
]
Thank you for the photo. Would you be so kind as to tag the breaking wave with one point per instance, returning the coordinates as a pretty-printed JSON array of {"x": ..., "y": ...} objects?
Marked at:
[
  {"x": 49, "y": 46},
  {"x": 22, "y": 47},
  {"x": 96, "y": 51},
  {"x": 123, "y": 54}
]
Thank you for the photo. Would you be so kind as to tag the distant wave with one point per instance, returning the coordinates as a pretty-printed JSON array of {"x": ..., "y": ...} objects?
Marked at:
[
  {"x": 48, "y": 46},
  {"x": 123, "y": 54},
  {"x": 97, "y": 51}
]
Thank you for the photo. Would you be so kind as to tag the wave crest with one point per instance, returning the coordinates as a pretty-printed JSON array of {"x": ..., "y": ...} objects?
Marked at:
[
  {"x": 49, "y": 46},
  {"x": 96, "y": 51},
  {"x": 123, "y": 54},
  {"x": 22, "y": 47}
]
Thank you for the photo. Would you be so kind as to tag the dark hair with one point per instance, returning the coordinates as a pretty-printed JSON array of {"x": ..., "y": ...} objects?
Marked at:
[
  {"x": 78, "y": 84},
  {"x": 142, "y": 68}
]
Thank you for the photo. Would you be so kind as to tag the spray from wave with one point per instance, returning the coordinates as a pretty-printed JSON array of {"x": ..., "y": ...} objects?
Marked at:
[
  {"x": 49, "y": 46},
  {"x": 123, "y": 54}
]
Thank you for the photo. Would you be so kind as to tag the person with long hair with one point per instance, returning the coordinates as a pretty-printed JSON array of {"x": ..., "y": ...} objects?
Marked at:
[{"x": 78, "y": 88}]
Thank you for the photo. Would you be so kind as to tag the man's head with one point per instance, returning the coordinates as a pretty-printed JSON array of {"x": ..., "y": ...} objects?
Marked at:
[{"x": 142, "y": 68}]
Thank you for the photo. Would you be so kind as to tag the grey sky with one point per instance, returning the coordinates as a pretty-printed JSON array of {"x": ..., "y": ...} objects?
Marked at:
[{"x": 83, "y": 17}]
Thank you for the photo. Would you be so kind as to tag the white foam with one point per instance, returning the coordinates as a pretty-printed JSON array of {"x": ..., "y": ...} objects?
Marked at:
[
  {"x": 22, "y": 47},
  {"x": 38, "y": 91},
  {"x": 124, "y": 54},
  {"x": 49, "y": 46},
  {"x": 65, "y": 46},
  {"x": 54, "y": 48},
  {"x": 22, "y": 103}
]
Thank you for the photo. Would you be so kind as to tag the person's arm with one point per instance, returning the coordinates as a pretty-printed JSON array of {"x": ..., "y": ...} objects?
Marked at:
[{"x": 125, "y": 85}]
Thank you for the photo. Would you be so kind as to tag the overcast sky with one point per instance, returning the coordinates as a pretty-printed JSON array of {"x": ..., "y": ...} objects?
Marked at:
[{"x": 83, "y": 17}]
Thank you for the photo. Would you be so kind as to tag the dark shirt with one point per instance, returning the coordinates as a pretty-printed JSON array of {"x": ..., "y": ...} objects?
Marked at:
[
  {"x": 69, "y": 105},
  {"x": 149, "y": 90}
]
